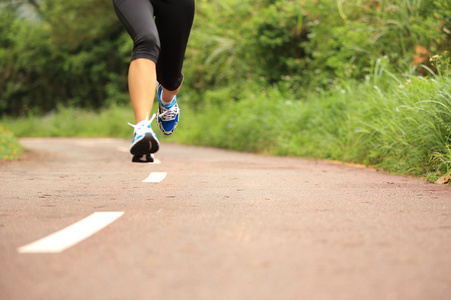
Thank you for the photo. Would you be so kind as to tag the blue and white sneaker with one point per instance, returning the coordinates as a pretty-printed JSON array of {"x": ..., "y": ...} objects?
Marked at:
[
  {"x": 145, "y": 141},
  {"x": 168, "y": 115}
]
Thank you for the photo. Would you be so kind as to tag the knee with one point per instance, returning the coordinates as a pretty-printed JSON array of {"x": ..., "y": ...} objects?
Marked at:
[{"x": 147, "y": 45}]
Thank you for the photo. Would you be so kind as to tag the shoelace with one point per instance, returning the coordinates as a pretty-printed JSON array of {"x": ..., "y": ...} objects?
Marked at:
[
  {"x": 150, "y": 121},
  {"x": 169, "y": 114}
]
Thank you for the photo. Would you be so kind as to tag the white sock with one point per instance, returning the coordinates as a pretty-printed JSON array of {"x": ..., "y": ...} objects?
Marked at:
[{"x": 164, "y": 102}]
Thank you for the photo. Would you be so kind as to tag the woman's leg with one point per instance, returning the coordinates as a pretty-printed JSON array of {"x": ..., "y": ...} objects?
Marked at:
[
  {"x": 141, "y": 85},
  {"x": 174, "y": 19},
  {"x": 137, "y": 16}
]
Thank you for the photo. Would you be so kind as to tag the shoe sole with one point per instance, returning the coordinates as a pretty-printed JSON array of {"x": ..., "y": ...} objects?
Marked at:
[
  {"x": 148, "y": 158},
  {"x": 148, "y": 144},
  {"x": 160, "y": 126}
]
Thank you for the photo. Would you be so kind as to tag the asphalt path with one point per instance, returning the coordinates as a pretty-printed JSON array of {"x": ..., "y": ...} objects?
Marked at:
[{"x": 204, "y": 223}]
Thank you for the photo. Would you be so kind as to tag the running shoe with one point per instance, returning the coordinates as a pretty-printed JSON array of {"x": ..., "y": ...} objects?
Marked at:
[
  {"x": 145, "y": 141},
  {"x": 168, "y": 115}
]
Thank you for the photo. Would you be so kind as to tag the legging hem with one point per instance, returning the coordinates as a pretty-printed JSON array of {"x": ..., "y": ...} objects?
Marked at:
[{"x": 151, "y": 57}]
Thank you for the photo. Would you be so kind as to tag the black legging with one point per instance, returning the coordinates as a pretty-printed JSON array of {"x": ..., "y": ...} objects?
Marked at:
[{"x": 160, "y": 30}]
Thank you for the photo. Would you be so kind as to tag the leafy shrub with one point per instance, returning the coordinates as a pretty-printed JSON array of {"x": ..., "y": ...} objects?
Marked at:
[
  {"x": 304, "y": 45},
  {"x": 9, "y": 146},
  {"x": 273, "y": 44},
  {"x": 76, "y": 53},
  {"x": 43, "y": 66}
]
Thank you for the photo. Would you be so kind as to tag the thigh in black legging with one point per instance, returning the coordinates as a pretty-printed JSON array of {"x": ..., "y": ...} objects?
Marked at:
[
  {"x": 174, "y": 19},
  {"x": 137, "y": 16}
]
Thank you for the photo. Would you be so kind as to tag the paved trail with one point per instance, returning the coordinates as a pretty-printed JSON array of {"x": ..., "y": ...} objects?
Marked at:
[{"x": 219, "y": 225}]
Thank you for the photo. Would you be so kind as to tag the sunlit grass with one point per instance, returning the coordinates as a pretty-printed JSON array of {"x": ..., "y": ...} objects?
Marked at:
[
  {"x": 9, "y": 146},
  {"x": 398, "y": 123},
  {"x": 74, "y": 123}
]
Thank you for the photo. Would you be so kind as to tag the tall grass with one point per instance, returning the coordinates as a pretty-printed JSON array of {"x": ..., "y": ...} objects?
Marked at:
[
  {"x": 9, "y": 146},
  {"x": 400, "y": 123},
  {"x": 74, "y": 122}
]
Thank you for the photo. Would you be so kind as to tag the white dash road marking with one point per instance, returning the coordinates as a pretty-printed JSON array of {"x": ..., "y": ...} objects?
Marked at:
[
  {"x": 71, "y": 235},
  {"x": 155, "y": 177}
]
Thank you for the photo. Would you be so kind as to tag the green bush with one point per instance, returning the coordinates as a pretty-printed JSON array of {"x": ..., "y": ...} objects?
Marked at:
[
  {"x": 9, "y": 146},
  {"x": 345, "y": 41},
  {"x": 76, "y": 52},
  {"x": 400, "y": 123},
  {"x": 272, "y": 46},
  {"x": 53, "y": 60},
  {"x": 305, "y": 46}
]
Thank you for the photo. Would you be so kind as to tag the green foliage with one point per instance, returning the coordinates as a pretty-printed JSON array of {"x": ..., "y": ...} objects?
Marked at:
[
  {"x": 52, "y": 59},
  {"x": 72, "y": 23},
  {"x": 9, "y": 146},
  {"x": 305, "y": 46},
  {"x": 273, "y": 44},
  {"x": 75, "y": 123},
  {"x": 345, "y": 42},
  {"x": 76, "y": 53},
  {"x": 318, "y": 78},
  {"x": 212, "y": 57},
  {"x": 400, "y": 123}
]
